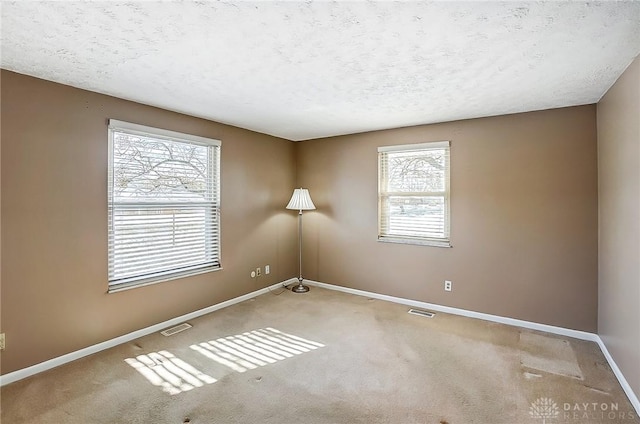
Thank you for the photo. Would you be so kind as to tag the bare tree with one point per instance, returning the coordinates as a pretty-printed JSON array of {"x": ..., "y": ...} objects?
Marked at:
[
  {"x": 417, "y": 173},
  {"x": 156, "y": 170}
]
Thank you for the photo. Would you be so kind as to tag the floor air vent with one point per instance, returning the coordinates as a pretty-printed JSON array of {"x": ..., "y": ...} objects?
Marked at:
[
  {"x": 173, "y": 330},
  {"x": 422, "y": 313}
]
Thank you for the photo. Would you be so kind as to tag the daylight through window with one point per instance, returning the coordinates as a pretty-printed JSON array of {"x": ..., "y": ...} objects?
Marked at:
[
  {"x": 164, "y": 199},
  {"x": 413, "y": 193}
]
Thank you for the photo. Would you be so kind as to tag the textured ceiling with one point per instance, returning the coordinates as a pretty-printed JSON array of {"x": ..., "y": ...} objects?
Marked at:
[{"x": 302, "y": 70}]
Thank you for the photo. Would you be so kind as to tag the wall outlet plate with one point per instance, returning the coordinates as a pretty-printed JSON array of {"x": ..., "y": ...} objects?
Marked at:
[
  {"x": 2, "y": 341},
  {"x": 258, "y": 272},
  {"x": 448, "y": 285},
  {"x": 267, "y": 270}
]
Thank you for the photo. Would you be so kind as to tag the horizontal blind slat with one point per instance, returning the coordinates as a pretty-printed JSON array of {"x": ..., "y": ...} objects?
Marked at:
[{"x": 157, "y": 265}]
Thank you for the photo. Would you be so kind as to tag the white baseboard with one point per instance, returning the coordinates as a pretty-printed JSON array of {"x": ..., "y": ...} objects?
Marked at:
[
  {"x": 633, "y": 398},
  {"x": 60, "y": 360},
  {"x": 582, "y": 335}
]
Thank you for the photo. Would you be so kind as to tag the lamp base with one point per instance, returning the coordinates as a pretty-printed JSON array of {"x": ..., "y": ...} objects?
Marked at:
[{"x": 300, "y": 288}]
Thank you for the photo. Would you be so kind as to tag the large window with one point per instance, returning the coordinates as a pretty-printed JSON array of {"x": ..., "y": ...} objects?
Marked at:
[
  {"x": 164, "y": 202},
  {"x": 413, "y": 194}
]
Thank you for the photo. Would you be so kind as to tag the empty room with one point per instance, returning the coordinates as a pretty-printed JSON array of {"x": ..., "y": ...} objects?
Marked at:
[{"x": 320, "y": 212}]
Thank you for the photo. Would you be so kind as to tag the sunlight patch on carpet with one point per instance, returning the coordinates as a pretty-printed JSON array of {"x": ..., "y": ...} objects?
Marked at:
[
  {"x": 172, "y": 374},
  {"x": 240, "y": 353},
  {"x": 255, "y": 348}
]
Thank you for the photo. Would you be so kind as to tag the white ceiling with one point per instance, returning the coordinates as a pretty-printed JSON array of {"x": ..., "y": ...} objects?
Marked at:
[{"x": 302, "y": 70}]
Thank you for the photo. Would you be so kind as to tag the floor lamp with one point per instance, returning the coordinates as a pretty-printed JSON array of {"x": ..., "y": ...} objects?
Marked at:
[{"x": 300, "y": 201}]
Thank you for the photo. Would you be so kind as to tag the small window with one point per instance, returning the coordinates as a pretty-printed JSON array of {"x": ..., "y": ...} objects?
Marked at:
[
  {"x": 164, "y": 204},
  {"x": 413, "y": 194}
]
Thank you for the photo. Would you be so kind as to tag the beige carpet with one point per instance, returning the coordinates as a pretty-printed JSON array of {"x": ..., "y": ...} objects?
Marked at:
[{"x": 329, "y": 357}]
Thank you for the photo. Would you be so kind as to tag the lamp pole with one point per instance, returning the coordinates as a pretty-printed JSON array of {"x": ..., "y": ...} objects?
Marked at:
[{"x": 300, "y": 288}]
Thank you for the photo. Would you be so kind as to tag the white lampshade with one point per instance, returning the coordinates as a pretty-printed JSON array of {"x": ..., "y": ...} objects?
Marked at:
[{"x": 301, "y": 200}]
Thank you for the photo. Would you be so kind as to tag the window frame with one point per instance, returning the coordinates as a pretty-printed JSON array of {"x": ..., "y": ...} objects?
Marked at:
[
  {"x": 383, "y": 181},
  {"x": 213, "y": 206}
]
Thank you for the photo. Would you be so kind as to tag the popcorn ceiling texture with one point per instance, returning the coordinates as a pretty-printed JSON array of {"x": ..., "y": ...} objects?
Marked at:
[{"x": 303, "y": 70}]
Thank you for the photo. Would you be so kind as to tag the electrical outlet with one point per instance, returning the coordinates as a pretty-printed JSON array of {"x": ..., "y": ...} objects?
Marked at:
[
  {"x": 2, "y": 341},
  {"x": 267, "y": 270},
  {"x": 448, "y": 285},
  {"x": 258, "y": 272}
]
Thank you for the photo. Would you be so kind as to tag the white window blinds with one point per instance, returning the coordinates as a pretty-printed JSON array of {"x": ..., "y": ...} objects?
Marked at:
[
  {"x": 413, "y": 193},
  {"x": 164, "y": 201}
]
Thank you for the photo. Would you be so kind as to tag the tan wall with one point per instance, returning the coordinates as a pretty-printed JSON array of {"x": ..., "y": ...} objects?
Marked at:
[
  {"x": 524, "y": 217},
  {"x": 54, "y": 220},
  {"x": 619, "y": 216}
]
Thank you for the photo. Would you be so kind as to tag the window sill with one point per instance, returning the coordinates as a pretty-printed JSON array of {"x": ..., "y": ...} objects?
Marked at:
[
  {"x": 418, "y": 242},
  {"x": 135, "y": 283}
]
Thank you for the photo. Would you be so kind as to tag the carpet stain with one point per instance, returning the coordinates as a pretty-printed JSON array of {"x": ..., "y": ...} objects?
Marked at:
[
  {"x": 549, "y": 354},
  {"x": 595, "y": 389},
  {"x": 530, "y": 375}
]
